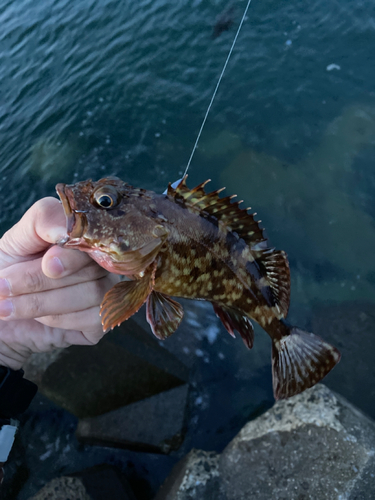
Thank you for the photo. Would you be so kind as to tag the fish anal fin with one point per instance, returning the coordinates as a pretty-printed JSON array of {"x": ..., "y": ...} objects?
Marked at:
[
  {"x": 276, "y": 267},
  {"x": 299, "y": 361},
  {"x": 163, "y": 314},
  {"x": 224, "y": 210},
  {"x": 234, "y": 320},
  {"x": 125, "y": 298}
]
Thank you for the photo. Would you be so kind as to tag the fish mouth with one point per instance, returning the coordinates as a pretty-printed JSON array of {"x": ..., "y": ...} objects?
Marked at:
[{"x": 74, "y": 219}]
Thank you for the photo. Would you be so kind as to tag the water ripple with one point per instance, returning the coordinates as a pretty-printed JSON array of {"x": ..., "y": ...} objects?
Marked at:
[{"x": 76, "y": 73}]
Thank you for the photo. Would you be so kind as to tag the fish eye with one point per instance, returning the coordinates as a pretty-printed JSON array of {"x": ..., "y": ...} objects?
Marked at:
[
  {"x": 106, "y": 197},
  {"x": 105, "y": 201}
]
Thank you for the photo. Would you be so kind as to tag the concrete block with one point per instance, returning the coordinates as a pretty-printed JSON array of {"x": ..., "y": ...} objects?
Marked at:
[
  {"x": 314, "y": 446},
  {"x": 155, "y": 424},
  {"x": 126, "y": 366}
]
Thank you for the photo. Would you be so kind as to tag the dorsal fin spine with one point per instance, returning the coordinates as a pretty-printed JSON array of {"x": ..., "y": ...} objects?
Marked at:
[{"x": 224, "y": 209}]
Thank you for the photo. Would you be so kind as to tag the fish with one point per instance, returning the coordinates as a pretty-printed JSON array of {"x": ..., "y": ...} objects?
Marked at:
[
  {"x": 224, "y": 22},
  {"x": 197, "y": 245}
]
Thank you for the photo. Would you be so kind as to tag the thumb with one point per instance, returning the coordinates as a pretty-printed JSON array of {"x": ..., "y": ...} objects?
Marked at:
[{"x": 42, "y": 225}]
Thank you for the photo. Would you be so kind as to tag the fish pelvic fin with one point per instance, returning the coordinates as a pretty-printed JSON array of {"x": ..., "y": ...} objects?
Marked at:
[
  {"x": 163, "y": 314},
  {"x": 299, "y": 361}
]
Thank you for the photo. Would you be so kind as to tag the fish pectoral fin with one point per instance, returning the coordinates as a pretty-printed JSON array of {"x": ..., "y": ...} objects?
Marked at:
[
  {"x": 125, "y": 298},
  {"x": 234, "y": 320},
  {"x": 299, "y": 361},
  {"x": 163, "y": 314}
]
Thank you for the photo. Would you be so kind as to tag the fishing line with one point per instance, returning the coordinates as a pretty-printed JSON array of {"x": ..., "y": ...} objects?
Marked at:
[{"x": 217, "y": 86}]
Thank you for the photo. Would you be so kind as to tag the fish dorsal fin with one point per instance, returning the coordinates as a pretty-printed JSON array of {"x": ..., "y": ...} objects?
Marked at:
[
  {"x": 181, "y": 190},
  {"x": 224, "y": 210},
  {"x": 276, "y": 267}
]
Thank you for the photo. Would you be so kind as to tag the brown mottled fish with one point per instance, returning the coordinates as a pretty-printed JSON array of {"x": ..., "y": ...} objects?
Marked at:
[{"x": 192, "y": 244}]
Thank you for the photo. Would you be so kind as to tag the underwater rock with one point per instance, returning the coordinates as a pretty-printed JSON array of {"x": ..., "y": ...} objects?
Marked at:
[
  {"x": 51, "y": 160},
  {"x": 195, "y": 477},
  {"x": 38, "y": 363},
  {"x": 344, "y": 138},
  {"x": 97, "y": 483},
  {"x": 304, "y": 206},
  {"x": 155, "y": 424},
  {"x": 314, "y": 446},
  {"x": 350, "y": 326},
  {"x": 220, "y": 144},
  {"x": 63, "y": 487},
  {"x": 127, "y": 365}
]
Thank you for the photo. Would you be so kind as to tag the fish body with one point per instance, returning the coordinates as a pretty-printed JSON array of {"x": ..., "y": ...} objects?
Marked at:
[{"x": 196, "y": 245}]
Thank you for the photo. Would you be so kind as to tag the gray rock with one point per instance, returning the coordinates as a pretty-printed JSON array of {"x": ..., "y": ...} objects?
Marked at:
[
  {"x": 38, "y": 363},
  {"x": 126, "y": 366},
  {"x": 313, "y": 446},
  {"x": 104, "y": 482},
  {"x": 195, "y": 477},
  {"x": 155, "y": 424},
  {"x": 62, "y": 488},
  {"x": 96, "y": 483}
]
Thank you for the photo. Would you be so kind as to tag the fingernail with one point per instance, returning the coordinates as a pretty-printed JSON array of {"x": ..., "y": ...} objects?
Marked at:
[
  {"x": 6, "y": 308},
  {"x": 55, "y": 267},
  {"x": 4, "y": 288}
]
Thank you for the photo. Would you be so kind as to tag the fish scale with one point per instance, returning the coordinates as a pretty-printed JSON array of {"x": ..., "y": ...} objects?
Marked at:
[{"x": 193, "y": 244}]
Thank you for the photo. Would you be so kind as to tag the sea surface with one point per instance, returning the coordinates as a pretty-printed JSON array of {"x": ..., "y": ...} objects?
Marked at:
[{"x": 90, "y": 88}]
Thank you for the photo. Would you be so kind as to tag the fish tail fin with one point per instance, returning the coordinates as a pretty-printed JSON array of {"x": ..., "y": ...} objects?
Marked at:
[{"x": 300, "y": 360}]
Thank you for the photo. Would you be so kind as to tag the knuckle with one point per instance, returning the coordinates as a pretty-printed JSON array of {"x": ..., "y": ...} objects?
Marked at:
[
  {"x": 35, "y": 306},
  {"x": 33, "y": 282},
  {"x": 93, "y": 340}
]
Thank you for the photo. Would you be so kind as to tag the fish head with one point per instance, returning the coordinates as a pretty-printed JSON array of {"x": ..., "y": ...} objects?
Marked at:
[
  {"x": 90, "y": 209},
  {"x": 107, "y": 219}
]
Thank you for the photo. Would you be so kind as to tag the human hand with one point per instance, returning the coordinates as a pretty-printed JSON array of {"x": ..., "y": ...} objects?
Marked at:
[{"x": 49, "y": 296}]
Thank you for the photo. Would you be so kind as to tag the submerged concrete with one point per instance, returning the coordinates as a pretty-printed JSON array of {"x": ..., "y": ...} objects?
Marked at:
[
  {"x": 126, "y": 366},
  {"x": 155, "y": 424}
]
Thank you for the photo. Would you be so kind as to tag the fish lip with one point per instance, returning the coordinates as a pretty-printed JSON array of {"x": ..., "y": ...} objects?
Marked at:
[{"x": 74, "y": 223}]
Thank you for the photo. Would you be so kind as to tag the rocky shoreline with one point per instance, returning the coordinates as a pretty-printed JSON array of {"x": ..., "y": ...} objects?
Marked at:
[{"x": 314, "y": 446}]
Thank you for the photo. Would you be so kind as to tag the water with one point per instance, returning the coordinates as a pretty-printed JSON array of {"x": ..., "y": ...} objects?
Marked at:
[{"x": 96, "y": 87}]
